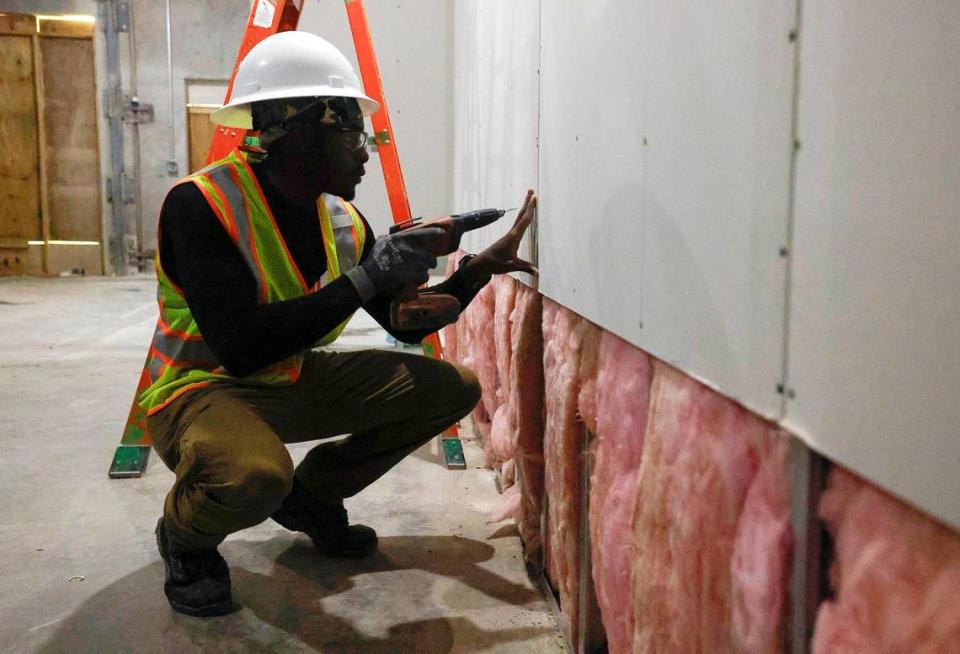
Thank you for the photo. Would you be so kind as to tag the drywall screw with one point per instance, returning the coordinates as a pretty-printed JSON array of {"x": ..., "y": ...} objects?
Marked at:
[{"x": 784, "y": 252}]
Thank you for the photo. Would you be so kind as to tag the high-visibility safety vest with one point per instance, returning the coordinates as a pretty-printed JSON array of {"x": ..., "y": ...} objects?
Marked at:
[{"x": 179, "y": 360}]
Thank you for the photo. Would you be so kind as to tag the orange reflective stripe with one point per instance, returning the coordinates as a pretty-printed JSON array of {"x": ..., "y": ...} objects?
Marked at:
[
  {"x": 242, "y": 161},
  {"x": 192, "y": 352},
  {"x": 176, "y": 362},
  {"x": 224, "y": 179},
  {"x": 251, "y": 242},
  {"x": 180, "y": 391},
  {"x": 179, "y": 333},
  {"x": 219, "y": 204}
]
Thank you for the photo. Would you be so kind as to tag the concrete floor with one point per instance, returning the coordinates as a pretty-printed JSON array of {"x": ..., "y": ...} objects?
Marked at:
[{"x": 79, "y": 571}]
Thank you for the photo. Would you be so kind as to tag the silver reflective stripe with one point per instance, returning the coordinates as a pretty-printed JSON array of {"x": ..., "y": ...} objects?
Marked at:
[
  {"x": 342, "y": 223},
  {"x": 223, "y": 180},
  {"x": 178, "y": 349},
  {"x": 156, "y": 366},
  {"x": 343, "y": 220}
]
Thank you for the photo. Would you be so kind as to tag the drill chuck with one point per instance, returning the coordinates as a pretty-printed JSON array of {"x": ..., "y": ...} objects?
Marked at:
[{"x": 476, "y": 219}]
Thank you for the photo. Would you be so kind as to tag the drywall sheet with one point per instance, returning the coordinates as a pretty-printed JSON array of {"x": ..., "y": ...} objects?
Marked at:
[
  {"x": 664, "y": 174},
  {"x": 717, "y": 177},
  {"x": 590, "y": 230},
  {"x": 874, "y": 345},
  {"x": 496, "y": 88}
]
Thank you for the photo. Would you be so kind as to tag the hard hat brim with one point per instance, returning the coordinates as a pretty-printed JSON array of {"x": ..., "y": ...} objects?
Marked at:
[{"x": 237, "y": 113}]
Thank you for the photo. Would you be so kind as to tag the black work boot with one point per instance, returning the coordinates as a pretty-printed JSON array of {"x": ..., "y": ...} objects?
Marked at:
[
  {"x": 326, "y": 524},
  {"x": 197, "y": 583}
]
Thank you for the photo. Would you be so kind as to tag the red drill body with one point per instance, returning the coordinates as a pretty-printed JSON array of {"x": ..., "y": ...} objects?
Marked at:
[{"x": 414, "y": 310}]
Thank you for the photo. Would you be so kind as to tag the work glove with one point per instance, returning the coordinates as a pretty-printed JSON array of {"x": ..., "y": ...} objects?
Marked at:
[{"x": 396, "y": 260}]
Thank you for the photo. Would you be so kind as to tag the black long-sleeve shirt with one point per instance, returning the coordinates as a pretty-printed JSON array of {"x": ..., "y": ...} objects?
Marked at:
[{"x": 198, "y": 255}]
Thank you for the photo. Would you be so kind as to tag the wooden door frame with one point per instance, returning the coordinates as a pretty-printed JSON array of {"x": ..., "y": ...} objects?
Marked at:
[{"x": 27, "y": 25}]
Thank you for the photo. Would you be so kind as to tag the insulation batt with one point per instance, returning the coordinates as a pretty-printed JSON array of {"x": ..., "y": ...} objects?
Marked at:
[
  {"x": 896, "y": 575},
  {"x": 701, "y": 454},
  {"x": 761, "y": 556},
  {"x": 501, "y": 435},
  {"x": 502, "y": 431},
  {"x": 614, "y": 403},
  {"x": 563, "y": 337},
  {"x": 449, "y": 332},
  {"x": 478, "y": 352},
  {"x": 526, "y": 405},
  {"x": 505, "y": 295}
]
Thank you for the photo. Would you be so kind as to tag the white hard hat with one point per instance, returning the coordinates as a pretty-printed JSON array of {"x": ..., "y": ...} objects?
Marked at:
[{"x": 290, "y": 65}]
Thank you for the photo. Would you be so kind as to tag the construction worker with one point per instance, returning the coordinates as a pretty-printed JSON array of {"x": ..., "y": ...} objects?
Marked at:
[{"x": 262, "y": 257}]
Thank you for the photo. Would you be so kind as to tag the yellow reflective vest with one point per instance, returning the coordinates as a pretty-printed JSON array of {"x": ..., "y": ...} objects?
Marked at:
[{"x": 179, "y": 360}]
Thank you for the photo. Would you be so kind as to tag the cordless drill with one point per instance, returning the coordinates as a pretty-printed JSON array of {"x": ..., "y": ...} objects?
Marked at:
[{"x": 422, "y": 309}]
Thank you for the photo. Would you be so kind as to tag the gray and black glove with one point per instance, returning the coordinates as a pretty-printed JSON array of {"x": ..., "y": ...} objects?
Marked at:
[{"x": 396, "y": 260}]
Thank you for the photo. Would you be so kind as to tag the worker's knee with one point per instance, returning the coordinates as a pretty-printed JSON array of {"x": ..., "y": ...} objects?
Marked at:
[
  {"x": 454, "y": 392},
  {"x": 470, "y": 389},
  {"x": 259, "y": 484}
]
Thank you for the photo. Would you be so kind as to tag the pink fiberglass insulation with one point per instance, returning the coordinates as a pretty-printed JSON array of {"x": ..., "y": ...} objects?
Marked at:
[
  {"x": 505, "y": 294},
  {"x": 478, "y": 352},
  {"x": 526, "y": 405},
  {"x": 701, "y": 453},
  {"x": 509, "y": 471},
  {"x": 615, "y": 400},
  {"x": 896, "y": 575},
  {"x": 501, "y": 435},
  {"x": 563, "y": 337},
  {"x": 483, "y": 349},
  {"x": 761, "y": 556},
  {"x": 588, "y": 394},
  {"x": 450, "y": 331},
  {"x": 508, "y": 506}
]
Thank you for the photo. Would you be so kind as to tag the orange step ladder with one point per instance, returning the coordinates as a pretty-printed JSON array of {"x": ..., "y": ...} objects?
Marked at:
[{"x": 270, "y": 17}]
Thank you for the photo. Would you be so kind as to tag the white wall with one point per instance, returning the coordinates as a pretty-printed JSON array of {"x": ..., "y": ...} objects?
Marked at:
[
  {"x": 875, "y": 320},
  {"x": 206, "y": 37},
  {"x": 676, "y": 213},
  {"x": 496, "y": 117}
]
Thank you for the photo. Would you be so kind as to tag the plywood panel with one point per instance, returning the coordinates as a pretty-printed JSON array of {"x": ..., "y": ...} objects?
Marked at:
[
  {"x": 719, "y": 111},
  {"x": 496, "y": 89},
  {"x": 70, "y": 121},
  {"x": 13, "y": 260},
  {"x": 72, "y": 28},
  {"x": 20, "y": 23},
  {"x": 63, "y": 259},
  {"x": 19, "y": 176},
  {"x": 874, "y": 345},
  {"x": 200, "y": 133}
]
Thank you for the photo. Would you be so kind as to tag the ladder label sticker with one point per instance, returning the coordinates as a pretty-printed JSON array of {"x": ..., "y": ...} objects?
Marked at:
[{"x": 264, "y": 15}]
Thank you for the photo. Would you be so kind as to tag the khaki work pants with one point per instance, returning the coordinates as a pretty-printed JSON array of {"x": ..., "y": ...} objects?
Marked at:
[{"x": 225, "y": 442}]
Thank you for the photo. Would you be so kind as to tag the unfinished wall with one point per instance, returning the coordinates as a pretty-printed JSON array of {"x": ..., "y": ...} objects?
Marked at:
[
  {"x": 668, "y": 185},
  {"x": 783, "y": 237}
]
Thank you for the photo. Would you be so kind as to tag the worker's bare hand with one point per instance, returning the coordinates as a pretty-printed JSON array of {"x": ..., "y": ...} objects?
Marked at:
[{"x": 501, "y": 257}]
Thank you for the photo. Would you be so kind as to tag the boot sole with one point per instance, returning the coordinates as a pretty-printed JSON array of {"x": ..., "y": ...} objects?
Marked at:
[
  {"x": 209, "y": 611},
  {"x": 206, "y": 611}
]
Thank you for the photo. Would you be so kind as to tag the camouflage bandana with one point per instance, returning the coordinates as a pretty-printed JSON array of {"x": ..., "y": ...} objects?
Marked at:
[{"x": 272, "y": 117}]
